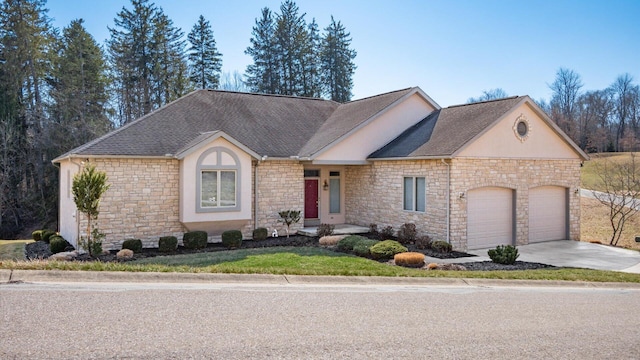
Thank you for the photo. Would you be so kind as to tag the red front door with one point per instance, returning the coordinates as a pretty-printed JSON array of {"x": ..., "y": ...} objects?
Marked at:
[{"x": 311, "y": 198}]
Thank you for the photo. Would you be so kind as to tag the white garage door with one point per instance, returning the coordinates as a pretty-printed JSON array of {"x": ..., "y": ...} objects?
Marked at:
[
  {"x": 547, "y": 213},
  {"x": 489, "y": 217}
]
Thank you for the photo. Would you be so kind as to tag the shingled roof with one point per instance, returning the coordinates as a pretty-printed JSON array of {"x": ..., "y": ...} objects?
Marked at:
[
  {"x": 447, "y": 130},
  {"x": 269, "y": 125}
]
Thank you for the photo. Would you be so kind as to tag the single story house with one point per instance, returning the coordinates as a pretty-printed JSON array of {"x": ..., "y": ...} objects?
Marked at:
[{"x": 476, "y": 175}]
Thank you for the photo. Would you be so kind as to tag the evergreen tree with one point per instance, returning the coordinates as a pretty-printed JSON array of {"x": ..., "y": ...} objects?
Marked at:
[
  {"x": 292, "y": 47},
  {"x": 78, "y": 90},
  {"x": 26, "y": 38},
  {"x": 147, "y": 58},
  {"x": 262, "y": 76},
  {"x": 205, "y": 60},
  {"x": 310, "y": 62},
  {"x": 337, "y": 65}
]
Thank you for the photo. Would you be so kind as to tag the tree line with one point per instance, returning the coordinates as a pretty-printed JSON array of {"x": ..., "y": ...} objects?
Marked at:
[{"x": 60, "y": 88}]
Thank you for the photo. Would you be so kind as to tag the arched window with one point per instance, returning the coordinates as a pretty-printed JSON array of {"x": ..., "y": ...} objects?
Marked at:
[{"x": 218, "y": 174}]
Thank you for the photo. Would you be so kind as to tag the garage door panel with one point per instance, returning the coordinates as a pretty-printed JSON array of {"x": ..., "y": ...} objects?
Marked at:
[
  {"x": 489, "y": 217},
  {"x": 547, "y": 213}
]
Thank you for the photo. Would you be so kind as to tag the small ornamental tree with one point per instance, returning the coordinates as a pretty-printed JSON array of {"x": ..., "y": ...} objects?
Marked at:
[
  {"x": 289, "y": 217},
  {"x": 88, "y": 187}
]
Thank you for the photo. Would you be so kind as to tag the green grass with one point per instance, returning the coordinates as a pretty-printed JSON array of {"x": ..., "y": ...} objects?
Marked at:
[
  {"x": 12, "y": 249},
  {"x": 307, "y": 261}
]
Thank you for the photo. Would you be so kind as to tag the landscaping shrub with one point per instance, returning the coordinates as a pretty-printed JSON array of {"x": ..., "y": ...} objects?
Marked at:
[
  {"x": 363, "y": 247},
  {"x": 168, "y": 244},
  {"x": 232, "y": 239},
  {"x": 386, "y": 232},
  {"x": 409, "y": 259},
  {"x": 125, "y": 254},
  {"x": 260, "y": 233},
  {"x": 506, "y": 254},
  {"x": 134, "y": 245},
  {"x": 347, "y": 244},
  {"x": 325, "y": 230},
  {"x": 386, "y": 249},
  {"x": 407, "y": 233},
  {"x": 195, "y": 240},
  {"x": 423, "y": 242},
  {"x": 373, "y": 229},
  {"x": 37, "y": 235},
  {"x": 46, "y": 234},
  {"x": 58, "y": 244},
  {"x": 442, "y": 246},
  {"x": 331, "y": 240}
]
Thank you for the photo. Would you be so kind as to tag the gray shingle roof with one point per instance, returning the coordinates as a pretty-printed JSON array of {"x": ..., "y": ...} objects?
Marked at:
[{"x": 445, "y": 131}]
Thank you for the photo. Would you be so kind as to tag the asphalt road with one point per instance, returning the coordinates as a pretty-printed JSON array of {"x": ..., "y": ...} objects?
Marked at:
[{"x": 244, "y": 321}]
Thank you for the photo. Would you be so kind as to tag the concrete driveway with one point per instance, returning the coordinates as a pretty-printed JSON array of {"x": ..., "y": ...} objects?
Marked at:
[{"x": 569, "y": 253}]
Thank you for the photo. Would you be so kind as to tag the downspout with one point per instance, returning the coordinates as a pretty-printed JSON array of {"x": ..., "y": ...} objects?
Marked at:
[
  {"x": 448, "y": 221},
  {"x": 255, "y": 191}
]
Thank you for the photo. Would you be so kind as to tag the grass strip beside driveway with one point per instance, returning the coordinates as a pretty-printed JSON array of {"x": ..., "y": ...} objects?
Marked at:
[
  {"x": 307, "y": 261},
  {"x": 12, "y": 249}
]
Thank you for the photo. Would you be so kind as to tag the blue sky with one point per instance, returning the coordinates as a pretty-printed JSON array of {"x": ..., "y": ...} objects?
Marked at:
[{"x": 452, "y": 49}]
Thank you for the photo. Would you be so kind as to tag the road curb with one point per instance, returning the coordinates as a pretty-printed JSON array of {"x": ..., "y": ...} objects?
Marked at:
[{"x": 269, "y": 279}]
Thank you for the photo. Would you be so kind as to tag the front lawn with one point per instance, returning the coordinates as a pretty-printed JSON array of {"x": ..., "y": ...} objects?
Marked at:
[
  {"x": 12, "y": 249},
  {"x": 307, "y": 261}
]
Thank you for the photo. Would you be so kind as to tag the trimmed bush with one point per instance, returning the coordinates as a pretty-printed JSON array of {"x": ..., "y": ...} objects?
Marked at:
[
  {"x": 386, "y": 249},
  {"x": 168, "y": 244},
  {"x": 46, "y": 235},
  {"x": 58, "y": 244},
  {"x": 386, "y": 232},
  {"x": 37, "y": 235},
  {"x": 504, "y": 254},
  {"x": 363, "y": 247},
  {"x": 325, "y": 230},
  {"x": 423, "y": 242},
  {"x": 232, "y": 239},
  {"x": 442, "y": 246},
  {"x": 347, "y": 244},
  {"x": 134, "y": 245},
  {"x": 260, "y": 233},
  {"x": 195, "y": 240},
  {"x": 331, "y": 240},
  {"x": 407, "y": 233},
  {"x": 409, "y": 259}
]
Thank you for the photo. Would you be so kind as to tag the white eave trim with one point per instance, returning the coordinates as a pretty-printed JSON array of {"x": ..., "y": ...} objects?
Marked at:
[{"x": 207, "y": 138}]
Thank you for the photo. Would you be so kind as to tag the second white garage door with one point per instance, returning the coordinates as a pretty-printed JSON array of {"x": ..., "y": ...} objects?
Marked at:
[
  {"x": 489, "y": 217},
  {"x": 547, "y": 213}
]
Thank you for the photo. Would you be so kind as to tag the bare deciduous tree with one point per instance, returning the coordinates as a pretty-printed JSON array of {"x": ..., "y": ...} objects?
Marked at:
[{"x": 621, "y": 184}]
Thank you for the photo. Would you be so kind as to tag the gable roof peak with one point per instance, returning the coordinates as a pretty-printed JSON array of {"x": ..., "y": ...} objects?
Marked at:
[{"x": 380, "y": 95}]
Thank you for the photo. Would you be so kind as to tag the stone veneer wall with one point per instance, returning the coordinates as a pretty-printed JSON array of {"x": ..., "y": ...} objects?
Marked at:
[
  {"x": 141, "y": 203},
  {"x": 280, "y": 187},
  {"x": 374, "y": 194},
  {"x": 518, "y": 174}
]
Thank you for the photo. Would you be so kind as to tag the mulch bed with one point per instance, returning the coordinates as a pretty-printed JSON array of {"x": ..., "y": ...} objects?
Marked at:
[{"x": 40, "y": 250}]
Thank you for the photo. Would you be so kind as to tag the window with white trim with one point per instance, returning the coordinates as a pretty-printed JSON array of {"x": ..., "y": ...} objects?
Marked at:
[
  {"x": 218, "y": 176},
  {"x": 415, "y": 198}
]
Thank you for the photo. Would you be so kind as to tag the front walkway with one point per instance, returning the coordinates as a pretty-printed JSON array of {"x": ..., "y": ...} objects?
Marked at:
[{"x": 340, "y": 229}]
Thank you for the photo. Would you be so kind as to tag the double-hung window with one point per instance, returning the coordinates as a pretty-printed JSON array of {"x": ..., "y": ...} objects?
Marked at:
[
  {"x": 414, "y": 194},
  {"x": 218, "y": 188},
  {"x": 218, "y": 177}
]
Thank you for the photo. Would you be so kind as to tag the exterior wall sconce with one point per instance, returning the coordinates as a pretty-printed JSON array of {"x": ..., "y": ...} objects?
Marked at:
[
  {"x": 462, "y": 195},
  {"x": 325, "y": 185},
  {"x": 576, "y": 191}
]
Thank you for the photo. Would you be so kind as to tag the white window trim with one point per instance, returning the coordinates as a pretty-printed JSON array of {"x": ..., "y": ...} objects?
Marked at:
[
  {"x": 414, "y": 193},
  {"x": 200, "y": 168}
]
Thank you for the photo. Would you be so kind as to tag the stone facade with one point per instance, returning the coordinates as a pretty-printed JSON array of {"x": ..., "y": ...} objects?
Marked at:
[
  {"x": 516, "y": 174},
  {"x": 375, "y": 192},
  {"x": 280, "y": 187},
  {"x": 141, "y": 203}
]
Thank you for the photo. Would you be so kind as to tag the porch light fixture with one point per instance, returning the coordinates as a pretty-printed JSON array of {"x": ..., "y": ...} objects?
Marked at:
[
  {"x": 462, "y": 195},
  {"x": 325, "y": 185}
]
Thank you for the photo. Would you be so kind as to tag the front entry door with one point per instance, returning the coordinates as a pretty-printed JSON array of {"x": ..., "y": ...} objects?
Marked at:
[{"x": 311, "y": 198}]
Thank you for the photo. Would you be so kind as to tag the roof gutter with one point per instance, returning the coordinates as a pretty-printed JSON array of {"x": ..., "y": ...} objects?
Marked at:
[{"x": 428, "y": 157}]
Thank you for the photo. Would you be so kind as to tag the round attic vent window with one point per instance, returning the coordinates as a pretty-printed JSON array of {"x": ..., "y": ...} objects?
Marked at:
[{"x": 521, "y": 128}]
